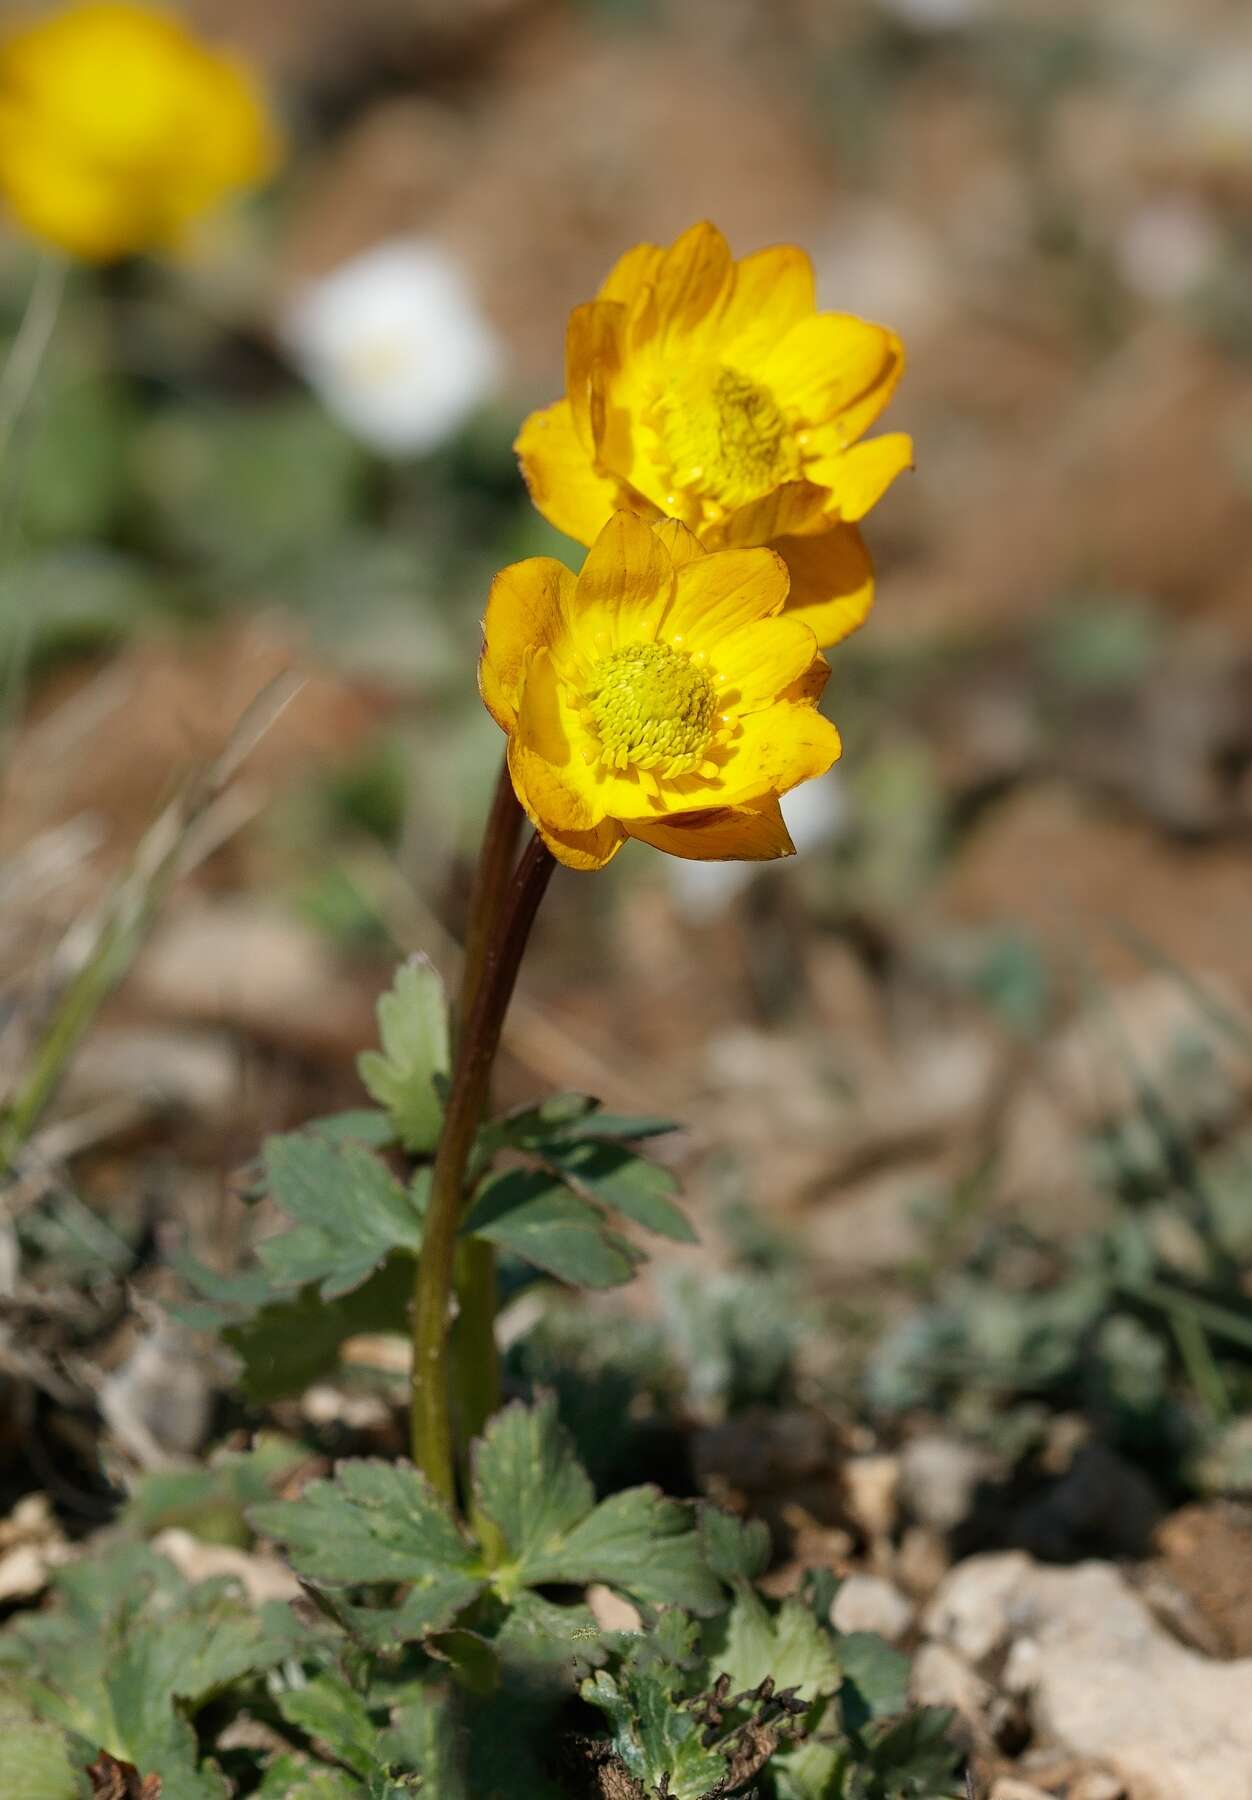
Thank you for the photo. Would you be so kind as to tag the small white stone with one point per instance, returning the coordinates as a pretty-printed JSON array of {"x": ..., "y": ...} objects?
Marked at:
[
  {"x": 972, "y": 1610},
  {"x": 610, "y": 1611},
  {"x": 938, "y": 1479},
  {"x": 1022, "y": 1666},
  {"x": 1098, "y": 1786},
  {"x": 869, "y": 1603},
  {"x": 871, "y": 1484},
  {"x": 942, "y": 1678}
]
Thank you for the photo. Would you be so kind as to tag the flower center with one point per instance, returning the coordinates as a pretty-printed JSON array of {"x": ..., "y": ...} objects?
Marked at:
[
  {"x": 651, "y": 705},
  {"x": 724, "y": 436}
]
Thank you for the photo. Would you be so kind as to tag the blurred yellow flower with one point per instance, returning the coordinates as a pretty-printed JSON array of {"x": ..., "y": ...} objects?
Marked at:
[
  {"x": 659, "y": 695},
  {"x": 714, "y": 392},
  {"x": 118, "y": 128}
]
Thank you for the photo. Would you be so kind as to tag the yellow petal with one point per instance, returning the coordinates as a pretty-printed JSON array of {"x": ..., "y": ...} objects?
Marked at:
[
  {"x": 636, "y": 269},
  {"x": 834, "y": 366},
  {"x": 683, "y": 545},
  {"x": 761, "y": 661},
  {"x": 624, "y": 585},
  {"x": 526, "y": 607},
  {"x": 691, "y": 281},
  {"x": 561, "y": 476},
  {"x": 778, "y": 748},
  {"x": 715, "y": 595},
  {"x": 859, "y": 477},
  {"x": 593, "y": 359},
  {"x": 791, "y": 509},
  {"x": 832, "y": 581},
  {"x": 553, "y": 782},
  {"x": 584, "y": 850},
  {"x": 773, "y": 290},
  {"x": 725, "y": 834}
]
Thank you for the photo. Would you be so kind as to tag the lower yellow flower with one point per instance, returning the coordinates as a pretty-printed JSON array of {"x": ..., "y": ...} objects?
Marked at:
[
  {"x": 118, "y": 128},
  {"x": 659, "y": 695}
]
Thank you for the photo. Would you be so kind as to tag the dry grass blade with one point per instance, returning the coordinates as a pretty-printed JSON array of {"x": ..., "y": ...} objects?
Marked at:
[{"x": 99, "y": 949}]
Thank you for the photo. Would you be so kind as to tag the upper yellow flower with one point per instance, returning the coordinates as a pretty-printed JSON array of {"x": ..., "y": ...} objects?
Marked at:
[
  {"x": 118, "y": 128},
  {"x": 713, "y": 392},
  {"x": 658, "y": 695}
]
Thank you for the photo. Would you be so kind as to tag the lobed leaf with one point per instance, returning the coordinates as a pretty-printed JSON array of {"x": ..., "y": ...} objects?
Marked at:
[
  {"x": 294, "y": 1340},
  {"x": 658, "y": 1743},
  {"x": 789, "y": 1646},
  {"x": 416, "y": 1054},
  {"x": 735, "y": 1549},
  {"x": 350, "y": 1213},
  {"x": 34, "y": 1758},
  {"x": 528, "y": 1480},
  {"x": 376, "y": 1521},
  {"x": 630, "y": 1184},
  {"x": 131, "y": 1650},
  {"x": 534, "y": 1216},
  {"x": 544, "y": 1526}
]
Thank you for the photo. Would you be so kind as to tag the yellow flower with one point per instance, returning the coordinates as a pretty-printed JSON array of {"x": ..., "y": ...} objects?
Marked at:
[
  {"x": 662, "y": 694},
  {"x": 118, "y": 128},
  {"x": 713, "y": 392}
]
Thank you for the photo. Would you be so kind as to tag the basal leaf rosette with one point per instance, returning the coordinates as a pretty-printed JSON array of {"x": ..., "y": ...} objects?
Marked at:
[
  {"x": 714, "y": 392},
  {"x": 119, "y": 128},
  {"x": 662, "y": 694}
]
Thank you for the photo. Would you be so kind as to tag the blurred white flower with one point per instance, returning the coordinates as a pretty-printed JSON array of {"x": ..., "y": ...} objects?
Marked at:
[
  {"x": 1167, "y": 247},
  {"x": 815, "y": 813},
  {"x": 395, "y": 345}
]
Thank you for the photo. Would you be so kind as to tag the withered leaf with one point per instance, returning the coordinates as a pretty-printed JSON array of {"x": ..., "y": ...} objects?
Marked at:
[{"x": 114, "y": 1780}]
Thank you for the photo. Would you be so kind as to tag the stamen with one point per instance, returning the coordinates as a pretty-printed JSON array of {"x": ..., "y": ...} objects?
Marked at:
[{"x": 651, "y": 707}]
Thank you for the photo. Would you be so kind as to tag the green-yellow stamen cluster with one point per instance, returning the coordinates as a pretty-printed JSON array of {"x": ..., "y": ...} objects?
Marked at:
[
  {"x": 651, "y": 706},
  {"x": 723, "y": 434}
]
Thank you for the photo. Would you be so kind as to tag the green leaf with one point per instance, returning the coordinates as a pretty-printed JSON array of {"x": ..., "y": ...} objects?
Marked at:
[
  {"x": 416, "y": 1054},
  {"x": 528, "y": 1126},
  {"x": 333, "y": 1715},
  {"x": 628, "y": 1183},
  {"x": 471, "y": 1658},
  {"x": 789, "y": 1646},
  {"x": 350, "y": 1214},
  {"x": 528, "y": 1480},
  {"x": 34, "y": 1759},
  {"x": 538, "y": 1632},
  {"x": 74, "y": 471},
  {"x": 912, "y": 1758},
  {"x": 658, "y": 1743},
  {"x": 642, "y": 1543},
  {"x": 216, "y": 484},
  {"x": 376, "y": 1521},
  {"x": 209, "y": 1501},
  {"x": 361, "y": 1124},
  {"x": 292, "y": 1342},
  {"x": 429, "y": 1732},
  {"x": 735, "y": 1549},
  {"x": 622, "y": 1126},
  {"x": 569, "y": 1119},
  {"x": 541, "y": 1524},
  {"x": 75, "y": 598},
  {"x": 431, "y": 1605},
  {"x": 875, "y": 1678},
  {"x": 534, "y": 1216},
  {"x": 131, "y": 1650},
  {"x": 296, "y": 1778}
]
